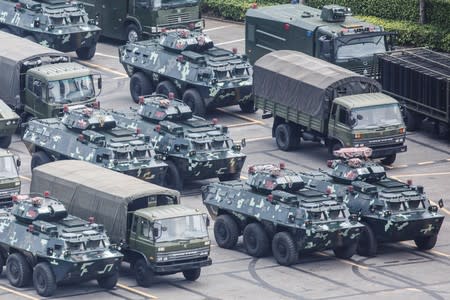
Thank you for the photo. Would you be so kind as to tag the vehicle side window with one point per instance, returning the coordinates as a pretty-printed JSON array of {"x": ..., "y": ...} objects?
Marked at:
[
  {"x": 37, "y": 87},
  {"x": 30, "y": 83},
  {"x": 333, "y": 112},
  {"x": 134, "y": 227},
  {"x": 145, "y": 228},
  {"x": 343, "y": 115}
]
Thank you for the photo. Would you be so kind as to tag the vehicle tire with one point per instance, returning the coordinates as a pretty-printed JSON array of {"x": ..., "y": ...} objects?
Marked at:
[
  {"x": 389, "y": 160},
  {"x": 5, "y": 141},
  {"x": 144, "y": 276},
  {"x": 108, "y": 282},
  {"x": 2, "y": 263},
  {"x": 229, "y": 176},
  {"x": 18, "y": 270},
  {"x": 140, "y": 85},
  {"x": 31, "y": 38},
  {"x": 44, "y": 280},
  {"x": 367, "y": 245},
  {"x": 248, "y": 106},
  {"x": 173, "y": 178},
  {"x": 335, "y": 145},
  {"x": 426, "y": 242},
  {"x": 256, "y": 241},
  {"x": 226, "y": 231},
  {"x": 86, "y": 53},
  {"x": 413, "y": 120},
  {"x": 192, "y": 274},
  {"x": 132, "y": 33},
  {"x": 193, "y": 99},
  {"x": 285, "y": 137},
  {"x": 347, "y": 251},
  {"x": 165, "y": 87},
  {"x": 284, "y": 249},
  {"x": 39, "y": 158}
]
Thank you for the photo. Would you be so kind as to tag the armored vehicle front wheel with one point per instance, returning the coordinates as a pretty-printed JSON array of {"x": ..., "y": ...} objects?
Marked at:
[
  {"x": 367, "y": 245},
  {"x": 426, "y": 242},
  {"x": 144, "y": 276},
  {"x": 389, "y": 160},
  {"x": 108, "y": 282},
  {"x": 193, "y": 99},
  {"x": 18, "y": 270},
  {"x": 346, "y": 251},
  {"x": 44, "y": 280},
  {"x": 140, "y": 85},
  {"x": 192, "y": 274},
  {"x": 133, "y": 34},
  {"x": 86, "y": 52},
  {"x": 247, "y": 106},
  {"x": 39, "y": 158},
  {"x": 284, "y": 248},
  {"x": 173, "y": 178},
  {"x": 256, "y": 241},
  {"x": 226, "y": 231},
  {"x": 5, "y": 141},
  {"x": 286, "y": 138},
  {"x": 165, "y": 87}
]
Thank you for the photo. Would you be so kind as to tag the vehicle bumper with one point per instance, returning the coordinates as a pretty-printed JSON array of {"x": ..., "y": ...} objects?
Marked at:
[
  {"x": 68, "y": 271},
  {"x": 179, "y": 267},
  {"x": 323, "y": 239},
  {"x": 71, "y": 41},
  {"x": 387, "y": 150}
]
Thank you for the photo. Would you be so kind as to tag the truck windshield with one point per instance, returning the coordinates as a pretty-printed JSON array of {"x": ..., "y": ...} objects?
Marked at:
[
  {"x": 376, "y": 116},
  {"x": 182, "y": 228},
  {"x": 349, "y": 47},
  {"x": 71, "y": 90},
  {"x": 8, "y": 167},
  {"x": 171, "y": 3}
]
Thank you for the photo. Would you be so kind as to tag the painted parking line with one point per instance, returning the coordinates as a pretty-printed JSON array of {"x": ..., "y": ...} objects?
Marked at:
[
  {"x": 17, "y": 293},
  {"x": 241, "y": 124},
  {"x": 422, "y": 174},
  {"x": 229, "y": 42},
  {"x": 240, "y": 116},
  {"x": 259, "y": 139},
  {"x": 217, "y": 28},
  {"x": 425, "y": 163},
  {"x": 25, "y": 178},
  {"x": 106, "y": 69},
  {"x": 136, "y": 291},
  {"x": 345, "y": 261},
  {"x": 107, "y": 55}
]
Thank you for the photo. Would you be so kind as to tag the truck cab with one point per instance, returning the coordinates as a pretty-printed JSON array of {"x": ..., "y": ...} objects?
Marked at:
[{"x": 9, "y": 177}]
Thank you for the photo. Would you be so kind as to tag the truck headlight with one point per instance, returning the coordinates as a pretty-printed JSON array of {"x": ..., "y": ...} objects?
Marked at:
[{"x": 161, "y": 249}]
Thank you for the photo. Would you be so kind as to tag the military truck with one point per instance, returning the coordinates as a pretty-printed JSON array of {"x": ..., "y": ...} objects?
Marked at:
[
  {"x": 391, "y": 210},
  {"x": 92, "y": 134},
  {"x": 58, "y": 24},
  {"x": 187, "y": 64},
  {"x": 38, "y": 81},
  {"x": 274, "y": 208},
  {"x": 136, "y": 20},
  {"x": 9, "y": 122},
  {"x": 40, "y": 242},
  {"x": 9, "y": 177},
  {"x": 420, "y": 79},
  {"x": 194, "y": 147},
  {"x": 318, "y": 101},
  {"x": 329, "y": 34},
  {"x": 156, "y": 234}
]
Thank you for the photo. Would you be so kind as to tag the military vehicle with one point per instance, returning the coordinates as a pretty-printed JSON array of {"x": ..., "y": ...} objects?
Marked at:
[
  {"x": 9, "y": 121},
  {"x": 137, "y": 20},
  {"x": 91, "y": 134},
  {"x": 37, "y": 81},
  {"x": 318, "y": 101},
  {"x": 274, "y": 207},
  {"x": 391, "y": 210},
  {"x": 156, "y": 234},
  {"x": 187, "y": 64},
  {"x": 39, "y": 241},
  {"x": 194, "y": 147},
  {"x": 9, "y": 177},
  {"x": 329, "y": 34}
]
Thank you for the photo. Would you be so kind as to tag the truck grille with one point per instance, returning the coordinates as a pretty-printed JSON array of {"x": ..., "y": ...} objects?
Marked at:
[{"x": 178, "y": 18}]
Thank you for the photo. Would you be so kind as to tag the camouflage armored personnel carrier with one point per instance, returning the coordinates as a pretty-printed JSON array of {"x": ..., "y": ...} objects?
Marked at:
[
  {"x": 91, "y": 134},
  {"x": 9, "y": 121},
  {"x": 187, "y": 64},
  {"x": 390, "y": 209},
  {"x": 194, "y": 147},
  {"x": 40, "y": 242},
  {"x": 9, "y": 177},
  {"x": 58, "y": 24},
  {"x": 274, "y": 207}
]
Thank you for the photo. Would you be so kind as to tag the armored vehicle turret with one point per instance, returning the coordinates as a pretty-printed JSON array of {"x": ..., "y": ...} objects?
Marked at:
[
  {"x": 391, "y": 210},
  {"x": 187, "y": 64},
  {"x": 40, "y": 242},
  {"x": 91, "y": 134},
  {"x": 274, "y": 207},
  {"x": 58, "y": 24},
  {"x": 194, "y": 147}
]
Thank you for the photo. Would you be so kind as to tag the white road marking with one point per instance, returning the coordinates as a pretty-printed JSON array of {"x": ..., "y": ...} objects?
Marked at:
[
  {"x": 216, "y": 28},
  {"x": 106, "y": 55},
  {"x": 230, "y": 42}
]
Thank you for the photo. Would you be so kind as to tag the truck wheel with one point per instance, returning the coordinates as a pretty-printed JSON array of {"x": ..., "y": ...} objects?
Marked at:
[
  {"x": 367, "y": 245},
  {"x": 173, "y": 178},
  {"x": 426, "y": 242},
  {"x": 5, "y": 141},
  {"x": 18, "y": 270},
  {"x": 256, "y": 241},
  {"x": 44, "y": 280},
  {"x": 284, "y": 249},
  {"x": 108, "y": 282},
  {"x": 165, "y": 87},
  {"x": 193, "y": 99},
  {"x": 285, "y": 137},
  {"x": 347, "y": 251},
  {"x": 86, "y": 52},
  {"x": 248, "y": 106},
  {"x": 133, "y": 34},
  {"x": 192, "y": 274},
  {"x": 144, "y": 276},
  {"x": 335, "y": 145},
  {"x": 389, "y": 160},
  {"x": 226, "y": 231},
  {"x": 230, "y": 176},
  {"x": 39, "y": 158},
  {"x": 140, "y": 85},
  {"x": 413, "y": 120}
]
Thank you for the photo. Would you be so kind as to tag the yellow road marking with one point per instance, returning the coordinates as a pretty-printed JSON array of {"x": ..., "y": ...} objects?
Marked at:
[
  {"x": 243, "y": 177},
  {"x": 439, "y": 253},
  {"x": 241, "y": 124},
  {"x": 401, "y": 166},
  {"x": 259, "y": 139},
  {"x": 420, "y": 175},
  {"x": 240, "y": 116},
  {"x": 18, "y": 293},
  {"x": 25, "y": 178},
  {"x": 448, "y": 159},
  {"x": 443, "y": 208},
  {"x": 130, "y": 289},
  {"x": 425, "y": 163},
  {"x": 103, "y": 68},
  {"x": 345, "y": 261},
  {"x": 106, "y": 55}
]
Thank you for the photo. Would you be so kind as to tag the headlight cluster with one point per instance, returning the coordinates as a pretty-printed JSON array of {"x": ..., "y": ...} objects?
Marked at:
[
  {"x": 11, "y": 122},
  {"x": 399, "y": 140},
  {"x": 359, "y": 145}
]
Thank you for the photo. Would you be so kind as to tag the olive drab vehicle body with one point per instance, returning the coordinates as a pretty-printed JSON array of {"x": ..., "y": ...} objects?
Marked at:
[
  {"x": 274, "y": 207},
  {"x": 194, "y": 147},
  {"x": 91, "y": 134},
  {"x": 186, "y": 63},
  {"x": 391, "y": 210},
  {"x": 58, "y": 24},
  {"x": 9, "y": 121},
  {"x": 9, "y": 177},
  {"x": 40, "y": 242}
]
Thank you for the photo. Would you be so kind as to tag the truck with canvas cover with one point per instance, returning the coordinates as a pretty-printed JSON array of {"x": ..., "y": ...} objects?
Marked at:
[
  {"x": 37, "y": 81},
  {"x": 134, "y": 20},
  {"x": 314, "y": 100},
  {"x": 9, "y": 177},
  {"x": 9, "y": 121},
  {"x": 420, "y": 79},
  {"x": 330, "y": 34},
  {"x": 58, "y": 24},
  {"x": 155, "y": 233}
]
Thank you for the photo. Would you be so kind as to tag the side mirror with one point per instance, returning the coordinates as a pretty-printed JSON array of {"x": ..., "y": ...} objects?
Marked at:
[
  {"x": 441, "y": 203},
  {"x": 155, "y": 232},
  {"x": 99, "y": 83},
  {"x": 243, "y": 143},
  {"x": 207, "y": 221},
  {"x": 18, "y": 162}
]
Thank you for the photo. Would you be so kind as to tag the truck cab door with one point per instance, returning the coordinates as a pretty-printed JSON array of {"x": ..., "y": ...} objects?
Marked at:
[
  {"x": 132, "y": 224},
  {"x": 144, "y": 239},
  {"x": 35, "y": 94},
  {"x": 341, "y": 129}
]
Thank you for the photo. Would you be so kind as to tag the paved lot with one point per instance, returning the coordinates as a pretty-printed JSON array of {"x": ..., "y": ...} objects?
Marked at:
[{"x": 398, "y": 272}]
